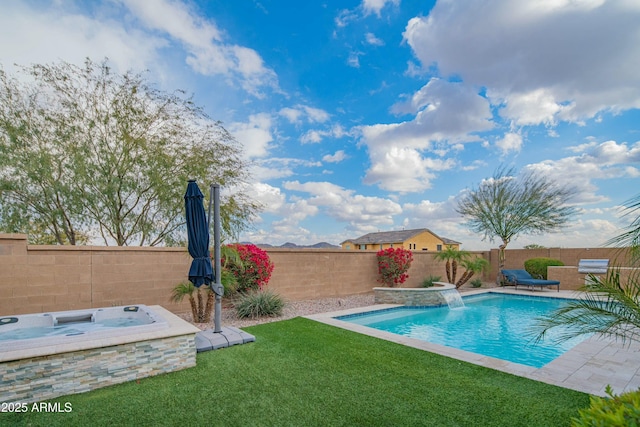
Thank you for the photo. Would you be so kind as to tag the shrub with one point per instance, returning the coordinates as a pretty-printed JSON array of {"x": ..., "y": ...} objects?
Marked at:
[
  {"x": 258, "y": 304},
  {"x": 537, "y": 267},
  {"x": 393, "y": 264},
  {"x": 429, "y": 281},
  {"x": 254, "y": 270},
  {"x": 616, "y": 411},
  {"x": 476, "y": 283}
]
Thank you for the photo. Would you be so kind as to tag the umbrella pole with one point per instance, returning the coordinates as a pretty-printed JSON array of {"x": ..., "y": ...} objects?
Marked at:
[{"x": 218, "y": 289}]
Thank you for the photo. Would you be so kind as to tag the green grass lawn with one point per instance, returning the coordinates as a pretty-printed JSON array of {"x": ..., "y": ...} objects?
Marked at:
[{"x": 304, "y": 373}]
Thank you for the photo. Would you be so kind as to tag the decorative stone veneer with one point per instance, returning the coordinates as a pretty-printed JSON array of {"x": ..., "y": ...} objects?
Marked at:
[
  {"x": 413, "y": 296},
  {"x": 45, "y": 377}
]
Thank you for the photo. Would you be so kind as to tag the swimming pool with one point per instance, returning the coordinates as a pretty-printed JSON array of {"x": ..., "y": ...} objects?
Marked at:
[{"x": 495, "y": 325}]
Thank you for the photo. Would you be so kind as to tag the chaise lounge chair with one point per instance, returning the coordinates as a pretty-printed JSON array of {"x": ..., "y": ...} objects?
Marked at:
[{"x": 523, "y": 278}]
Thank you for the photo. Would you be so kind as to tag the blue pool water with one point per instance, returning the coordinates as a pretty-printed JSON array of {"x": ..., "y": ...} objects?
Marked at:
[{"x": 494, "y": 325}]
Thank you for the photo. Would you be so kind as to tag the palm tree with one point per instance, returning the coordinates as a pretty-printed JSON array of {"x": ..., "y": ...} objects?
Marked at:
[
  {"x": 609, "y": 307},
  {"x": 452, "y": 256},
  {"x": 200, "y": 309},
  {"x": 472, "y": 266}
]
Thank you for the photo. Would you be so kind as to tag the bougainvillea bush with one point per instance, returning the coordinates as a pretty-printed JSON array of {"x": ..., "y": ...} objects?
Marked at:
[
  {"x": 254, "y": 270},
  {"x": 393, "y": 264}
]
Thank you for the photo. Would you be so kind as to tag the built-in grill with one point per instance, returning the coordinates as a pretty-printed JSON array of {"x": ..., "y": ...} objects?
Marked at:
[{"x": 593, "y": 266}]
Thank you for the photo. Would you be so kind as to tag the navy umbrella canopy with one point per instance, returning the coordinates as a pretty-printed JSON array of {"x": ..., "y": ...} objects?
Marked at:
[{"x": 201, "y": 271}]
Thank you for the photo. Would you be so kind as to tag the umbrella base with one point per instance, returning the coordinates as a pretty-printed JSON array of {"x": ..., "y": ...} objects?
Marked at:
[{"x": 209, "y": 340}]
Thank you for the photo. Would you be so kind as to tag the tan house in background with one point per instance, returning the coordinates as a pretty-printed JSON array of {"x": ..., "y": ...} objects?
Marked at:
[{"x": 421, "y": 239}]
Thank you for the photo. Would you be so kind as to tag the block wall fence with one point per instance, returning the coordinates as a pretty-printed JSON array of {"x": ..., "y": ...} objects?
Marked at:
[{"x": 35, "y": 279}]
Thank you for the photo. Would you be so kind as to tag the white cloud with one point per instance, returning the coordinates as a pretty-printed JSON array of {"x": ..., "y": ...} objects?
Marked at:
[
  {"x": 311, "y": 137},
  {"x": 254, "y": 135},
  {"x": 315, "y": 136},
  {"x": 474, "y": 165},
  {"x": 376, "y": 6},
  {"x": 446, "y": 114},
  {"x": 510, "y": 142},
  {"x": 354, "y": 59},
  {"x": 404, "y": 170},
  {"x": 544, "y": 61},
  {"x": 46, "y": 35},
  {"x": 607, "y": 160},
  {"x": 373, "y": 40},
  {"x": 208, "y": 53},
  {"x": 316, "y": 115},
  {"x": 345, "y": 206},
  {"x": 337, "y": 157},
  {"x": 61, "y": 30},
  {"x": 278, "y": 167},
  {"x": 364, "y": 9},
  {"x": 292, "y": 114},
  {"x": 271, "y": 198},
  {"x": 531, "y": 108},
  {"x": 582, "y": 147},
  {"x": 447, "y": 110},
  {"x": 296, "y": 113},
  {"x": 442, "y": 219}
]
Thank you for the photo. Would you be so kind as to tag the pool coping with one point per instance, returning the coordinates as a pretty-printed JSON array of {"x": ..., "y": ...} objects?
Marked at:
[{"x": 588, "y": 367}]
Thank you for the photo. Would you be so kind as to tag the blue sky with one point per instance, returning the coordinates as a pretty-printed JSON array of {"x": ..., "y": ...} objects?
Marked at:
[{"x": 375, "y": 115}]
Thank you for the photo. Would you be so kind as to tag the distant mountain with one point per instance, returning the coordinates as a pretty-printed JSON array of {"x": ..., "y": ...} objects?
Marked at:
[
  {"x": 324, "y": 245},
  {"x": 289, "y": 245}
]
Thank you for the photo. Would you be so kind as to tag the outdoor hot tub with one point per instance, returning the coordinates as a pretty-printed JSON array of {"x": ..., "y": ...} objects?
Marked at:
[{"x": 46, "y": 355}]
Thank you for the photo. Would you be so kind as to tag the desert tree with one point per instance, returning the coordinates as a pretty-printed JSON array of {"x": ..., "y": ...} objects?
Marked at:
[
  {"x": 509, "y": 204},
  {"x": 86, "y": 152}
]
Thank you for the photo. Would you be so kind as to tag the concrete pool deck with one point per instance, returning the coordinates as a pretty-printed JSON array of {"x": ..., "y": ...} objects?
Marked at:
[{"x": 588, "y": 367}]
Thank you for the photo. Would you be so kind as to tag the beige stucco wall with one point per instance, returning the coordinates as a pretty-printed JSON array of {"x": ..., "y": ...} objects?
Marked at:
[{"x": 36, "y": 279}]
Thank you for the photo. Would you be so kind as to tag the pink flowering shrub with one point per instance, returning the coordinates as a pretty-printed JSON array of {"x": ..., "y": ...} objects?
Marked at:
[
  {"x": 254, "y": 269},
  {"x": 393, "y": 264}
]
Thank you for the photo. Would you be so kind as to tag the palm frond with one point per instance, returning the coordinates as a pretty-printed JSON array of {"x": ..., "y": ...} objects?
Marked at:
[
  {"x": 182, "y": 290},
  {"x": 607, "y": 308}
]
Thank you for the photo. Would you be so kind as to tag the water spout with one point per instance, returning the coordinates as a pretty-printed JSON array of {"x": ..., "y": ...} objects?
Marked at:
[{"x": 453, "y": 298}]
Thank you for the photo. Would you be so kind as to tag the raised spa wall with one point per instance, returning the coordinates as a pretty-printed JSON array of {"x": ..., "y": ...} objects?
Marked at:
[
  {"x": 67, "y": 370},
  {"x": 413, "y": 296}
]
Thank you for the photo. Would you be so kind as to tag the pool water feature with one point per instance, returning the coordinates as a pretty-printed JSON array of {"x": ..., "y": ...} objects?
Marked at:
[
  {"x": 495, "y": 325},
  {"x": 453, "y": 298}
]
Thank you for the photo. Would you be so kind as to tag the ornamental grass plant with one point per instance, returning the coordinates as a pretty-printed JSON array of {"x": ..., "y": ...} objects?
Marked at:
[{"x": 260, "y": 303}]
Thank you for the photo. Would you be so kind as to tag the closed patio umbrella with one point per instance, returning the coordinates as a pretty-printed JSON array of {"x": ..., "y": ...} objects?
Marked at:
[{"x": 201, "y": 271}]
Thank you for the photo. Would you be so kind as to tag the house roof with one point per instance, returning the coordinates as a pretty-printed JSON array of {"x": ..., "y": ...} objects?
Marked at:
[{"x": 397, "y": 236}]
